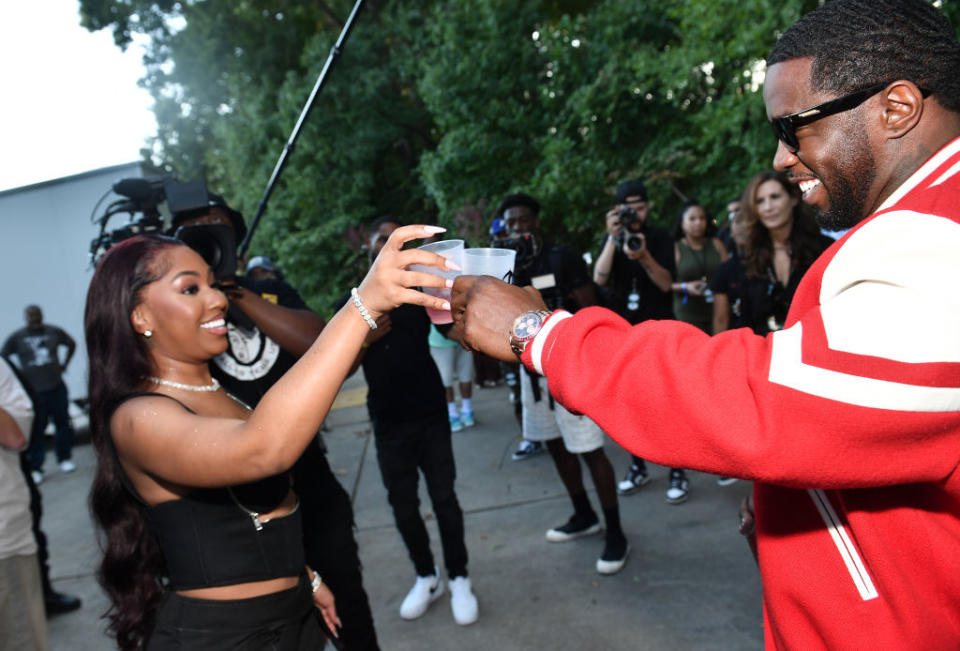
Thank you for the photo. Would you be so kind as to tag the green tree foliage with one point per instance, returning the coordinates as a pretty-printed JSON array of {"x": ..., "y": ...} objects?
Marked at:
[{"x": 438, "y": 109}]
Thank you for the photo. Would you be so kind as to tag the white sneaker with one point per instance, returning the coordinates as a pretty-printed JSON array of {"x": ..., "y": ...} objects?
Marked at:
[
  {"x": 67, "y": 466},
  {"x": 463, "y": 603},
  {"x": 679, "y": 487},
  {"x": 37, "y": 476},
  {"x": 423, "y": 593}
]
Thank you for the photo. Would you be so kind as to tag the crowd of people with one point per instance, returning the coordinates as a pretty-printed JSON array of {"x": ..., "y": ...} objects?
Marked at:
[
  {"x": 825, "y": 372},
  {"x": 845, "y": 413}
]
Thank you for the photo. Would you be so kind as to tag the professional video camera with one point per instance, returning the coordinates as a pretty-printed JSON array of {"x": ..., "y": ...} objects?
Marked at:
[
  {"x": 156, "y": 205},
  {"x": 629, "y": 233}
]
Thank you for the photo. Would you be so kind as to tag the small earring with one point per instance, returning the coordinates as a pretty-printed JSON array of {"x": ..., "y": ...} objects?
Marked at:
[{"x": 147, "y": 333}]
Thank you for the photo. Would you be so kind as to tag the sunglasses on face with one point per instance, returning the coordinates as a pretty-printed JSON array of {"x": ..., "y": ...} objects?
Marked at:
[{"x": 785, "y": 128}]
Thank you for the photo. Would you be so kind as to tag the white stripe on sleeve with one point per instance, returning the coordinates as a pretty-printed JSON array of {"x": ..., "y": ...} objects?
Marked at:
[
  {"x": 536, "y": 352},
  {"x": 787, "y": 369}
]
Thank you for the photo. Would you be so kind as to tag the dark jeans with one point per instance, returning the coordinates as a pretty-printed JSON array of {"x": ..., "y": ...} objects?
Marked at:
[
  {"x": 424, "y": 445},
  {"x": 330, "y": 547},
  {"x": 51, "y": 404}
]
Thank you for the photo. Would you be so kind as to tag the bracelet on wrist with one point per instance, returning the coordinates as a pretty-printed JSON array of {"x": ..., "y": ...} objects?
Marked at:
[
  {"x": 315, "y": 582},
  {"x": 363, "y": 310}
]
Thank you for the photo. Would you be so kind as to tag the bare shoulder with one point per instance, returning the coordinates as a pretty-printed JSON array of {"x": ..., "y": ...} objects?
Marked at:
[{"x": 143, "y": 414}]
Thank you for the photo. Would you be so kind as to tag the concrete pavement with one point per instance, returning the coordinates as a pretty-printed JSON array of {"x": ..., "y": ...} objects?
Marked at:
[{"x": 690, "y": 582}]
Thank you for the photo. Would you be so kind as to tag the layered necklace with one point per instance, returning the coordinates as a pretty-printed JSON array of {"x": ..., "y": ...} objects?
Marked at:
[{"x": 213, "y": 386}]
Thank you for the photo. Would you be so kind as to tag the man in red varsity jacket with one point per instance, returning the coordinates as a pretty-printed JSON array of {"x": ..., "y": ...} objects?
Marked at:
[{"x": 848, "y": 420}]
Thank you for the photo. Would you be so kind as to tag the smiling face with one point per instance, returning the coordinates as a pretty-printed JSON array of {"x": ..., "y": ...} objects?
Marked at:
[
  {"x": 184, "y": 312},
  {"x": 774, "y": 206},
  {"x": 834, "y": 164}
]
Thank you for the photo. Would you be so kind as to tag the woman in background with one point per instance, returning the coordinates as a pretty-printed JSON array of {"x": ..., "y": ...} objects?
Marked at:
[
  {"x": 698, "y": 253},
  {"x": 784, "y": 241}
]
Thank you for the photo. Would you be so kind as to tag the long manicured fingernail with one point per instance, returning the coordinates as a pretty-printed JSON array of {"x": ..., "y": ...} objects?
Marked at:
[
  {"x": 445, "y": 306},
  {"x": 450, "y": 264},
  {"x": 449, "y": 282},
  {"x": 433, "y": 230}
]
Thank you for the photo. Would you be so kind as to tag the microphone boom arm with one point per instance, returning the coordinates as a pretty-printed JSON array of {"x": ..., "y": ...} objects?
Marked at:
[{"x": 335, "y": 52}]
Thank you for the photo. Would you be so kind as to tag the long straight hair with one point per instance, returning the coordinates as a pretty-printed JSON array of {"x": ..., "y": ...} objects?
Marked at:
[
  {"x": 132, "y": 564},
  {"x": 805, "y": 241}
]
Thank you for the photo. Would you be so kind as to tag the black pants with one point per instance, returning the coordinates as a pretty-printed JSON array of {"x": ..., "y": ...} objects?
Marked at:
[
  {"x": 51, "y": 404},
  {"x": 283, "y": 621},
  {"x": 330, "y": 547},
  {"x": 36, "y": 512},
  {"x": 424, "y": 445}
]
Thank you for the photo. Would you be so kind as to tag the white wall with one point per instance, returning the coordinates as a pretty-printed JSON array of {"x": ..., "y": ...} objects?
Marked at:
[{"x": 45, "y": 234}]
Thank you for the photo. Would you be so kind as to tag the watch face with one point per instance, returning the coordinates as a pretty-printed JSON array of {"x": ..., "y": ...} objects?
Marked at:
[{"x": 528, "y": 326}]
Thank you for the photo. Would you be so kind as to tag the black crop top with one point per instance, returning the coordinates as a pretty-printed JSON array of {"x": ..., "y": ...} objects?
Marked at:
[{"x": 213, "y": 536}]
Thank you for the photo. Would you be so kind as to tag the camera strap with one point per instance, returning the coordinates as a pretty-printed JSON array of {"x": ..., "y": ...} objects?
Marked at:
[{"x": 535, "y": 387}]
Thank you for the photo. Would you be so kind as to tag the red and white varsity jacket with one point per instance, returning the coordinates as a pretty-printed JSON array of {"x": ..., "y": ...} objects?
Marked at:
[{"x": 848, "y": 420}]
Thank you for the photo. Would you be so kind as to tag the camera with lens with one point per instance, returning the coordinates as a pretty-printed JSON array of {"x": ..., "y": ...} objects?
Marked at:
[
  {"x": 157, "y": 205},
  {"x": 631, "y": 231},
  {"x": 525, "y": 245},
  {"x": 629, "y": 218}
]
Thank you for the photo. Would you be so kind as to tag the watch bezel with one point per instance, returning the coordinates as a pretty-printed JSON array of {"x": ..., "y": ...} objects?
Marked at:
[{"x": 518, "y": 342}]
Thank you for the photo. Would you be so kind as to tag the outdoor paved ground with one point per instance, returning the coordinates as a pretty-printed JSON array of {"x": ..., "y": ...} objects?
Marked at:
[{"x": 690, "y": 583}]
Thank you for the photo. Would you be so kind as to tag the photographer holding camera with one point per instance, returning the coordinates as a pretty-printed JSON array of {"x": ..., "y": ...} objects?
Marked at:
[{"x": 637, "y": 261}]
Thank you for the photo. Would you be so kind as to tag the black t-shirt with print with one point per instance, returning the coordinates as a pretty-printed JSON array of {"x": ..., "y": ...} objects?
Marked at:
[
  {"x": 37, "y": 351},
  {"x": 253, "y": 361}
]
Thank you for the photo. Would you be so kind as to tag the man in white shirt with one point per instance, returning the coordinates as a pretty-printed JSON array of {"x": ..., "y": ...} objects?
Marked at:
[{"x": 22, "y": 620}]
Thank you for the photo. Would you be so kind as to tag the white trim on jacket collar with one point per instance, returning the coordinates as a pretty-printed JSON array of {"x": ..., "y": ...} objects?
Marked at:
[{"x": 925, "y": 170}]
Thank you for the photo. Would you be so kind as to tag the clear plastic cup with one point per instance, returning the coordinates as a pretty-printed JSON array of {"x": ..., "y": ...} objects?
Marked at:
[
  {"x": 452, "y": 250},
  {"x": 489, "y": 262}
]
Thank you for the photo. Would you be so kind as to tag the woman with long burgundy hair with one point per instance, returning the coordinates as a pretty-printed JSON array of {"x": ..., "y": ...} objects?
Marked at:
[{"x": 201, "y": 532}]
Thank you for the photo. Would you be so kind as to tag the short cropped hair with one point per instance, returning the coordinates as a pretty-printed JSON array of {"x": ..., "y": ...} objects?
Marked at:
[
  {"x": 519, "y": 199},
  {"x": 858, "y": 43}
]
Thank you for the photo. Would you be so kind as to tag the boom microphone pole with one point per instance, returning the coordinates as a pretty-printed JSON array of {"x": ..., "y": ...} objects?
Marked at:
[{"x": 291, "y": 142}]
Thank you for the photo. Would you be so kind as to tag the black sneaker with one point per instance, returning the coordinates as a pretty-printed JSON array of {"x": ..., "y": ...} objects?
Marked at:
[
  {"x": 614, "y": 557},
  {"x": 527, "y": 449},
  {"x": 726, "y": 481},
  {"x": 576, "y": 527},
  {"x": 636, "y": 477},
  {"x": 56, "y": 603},
  {"x": 679, "y": 487}
]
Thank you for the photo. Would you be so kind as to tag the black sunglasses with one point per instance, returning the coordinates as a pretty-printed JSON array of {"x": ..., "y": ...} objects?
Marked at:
[{"x": 785, "y": 128}]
